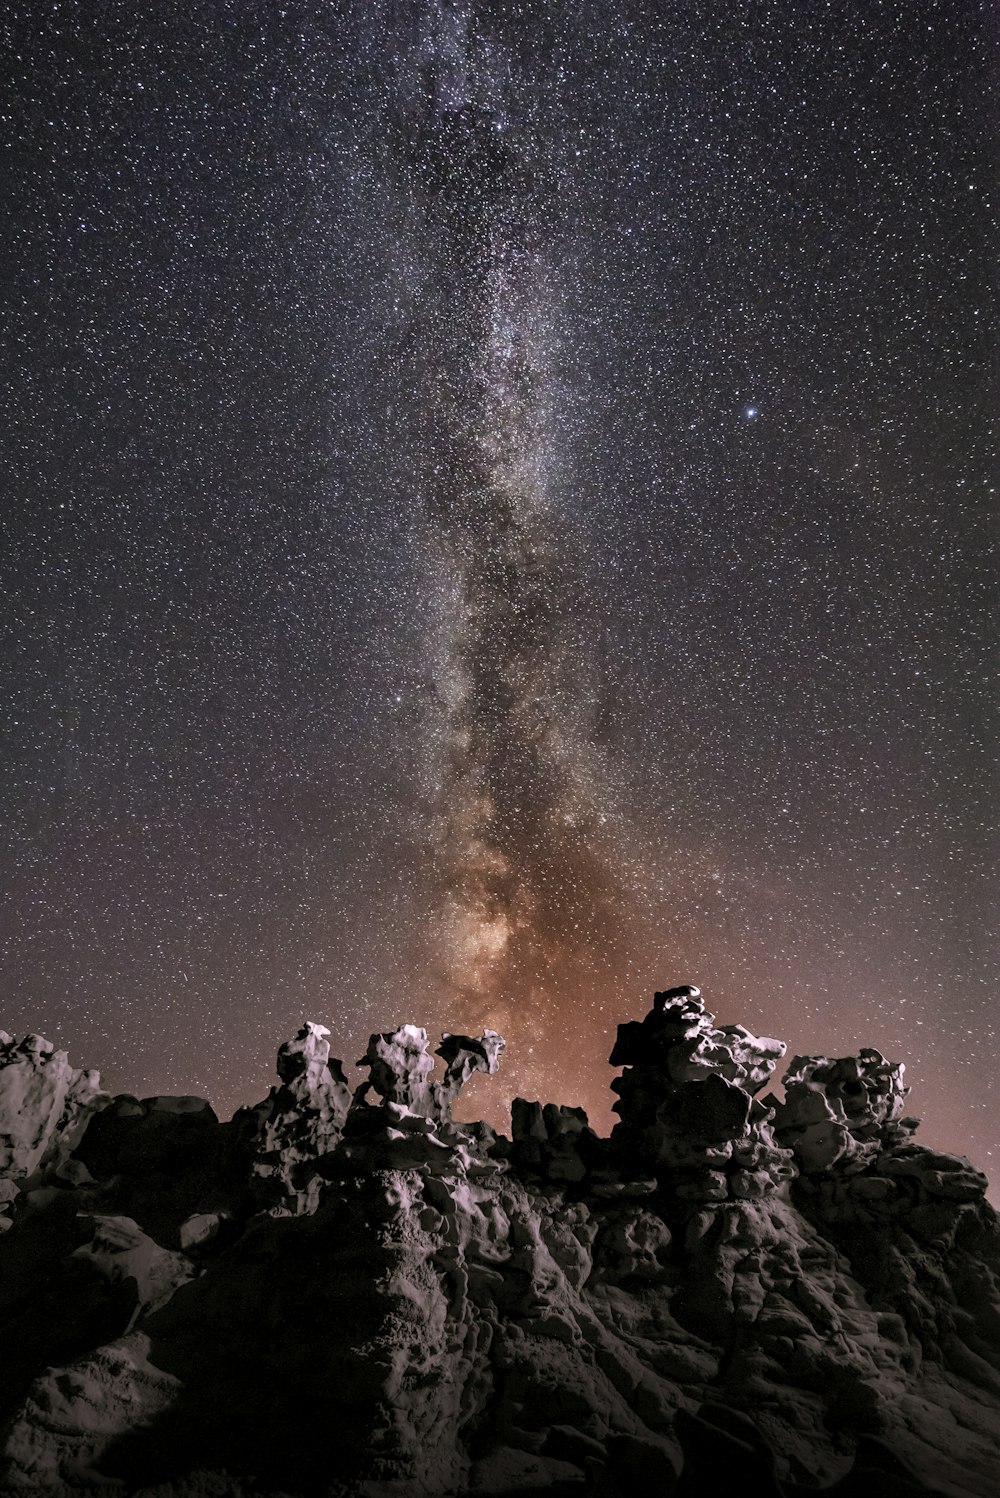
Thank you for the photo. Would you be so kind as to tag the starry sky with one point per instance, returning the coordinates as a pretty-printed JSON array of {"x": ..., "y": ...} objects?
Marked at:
[{"x": 498, "y": 520}]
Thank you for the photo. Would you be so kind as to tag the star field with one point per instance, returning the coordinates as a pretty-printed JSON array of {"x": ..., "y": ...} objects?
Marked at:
[{"x": 735, "y": 373}]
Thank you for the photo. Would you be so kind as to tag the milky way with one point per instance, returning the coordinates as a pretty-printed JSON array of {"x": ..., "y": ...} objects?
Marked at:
[
  {"x": 529, "y": 909},
  {"x": 473, "y": 575}
]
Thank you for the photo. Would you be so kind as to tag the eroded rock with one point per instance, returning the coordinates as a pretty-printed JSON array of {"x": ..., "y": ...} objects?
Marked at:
[
  {"x": 842, "y": 1112},
  {"x": 687, "y": 1104},
  {"x": 299, "y": 1122},
  {"x": 400, "y": 1064},
  {"x": 720, "y": 1296},
  {"x": 45, "y": 1104}
]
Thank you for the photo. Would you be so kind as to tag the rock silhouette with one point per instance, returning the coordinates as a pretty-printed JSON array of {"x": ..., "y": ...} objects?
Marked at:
[{"x": 346, "y": 1293}]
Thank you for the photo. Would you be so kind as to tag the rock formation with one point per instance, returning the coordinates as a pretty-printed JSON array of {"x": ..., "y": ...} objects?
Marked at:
[
  {"x": 351, "y": 1295},
  {"x": 44, "y": 1106},
  {"x": 298, "y": 1123}
]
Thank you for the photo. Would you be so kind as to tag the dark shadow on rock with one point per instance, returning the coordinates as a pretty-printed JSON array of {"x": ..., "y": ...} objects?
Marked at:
[
  {"x": 163, "y": 1159},
  {"x": 55, "y": 1305},
  {"x": 272, "y": 1384}
]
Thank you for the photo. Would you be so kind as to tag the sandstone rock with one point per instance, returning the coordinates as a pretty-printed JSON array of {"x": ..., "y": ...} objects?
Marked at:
[
  {"x": 200, "y": 1227},
  {"x": 298, "y": 1123},
  {"x": 843, "y": 1111},
  {"x": 464, "y": 1056},
  {"x": 400, "y": 1067},
  {"x": 44, "y": 1104},
  {"x": 120, "y": 1252},
  {"x": 678, "y": 1039},
  {"x": 554, "y": 1142},
  {"x": 359, "y": 1298},
  {"x": 687, "y": 1105},
  {"x": 155, "y": 1161}
]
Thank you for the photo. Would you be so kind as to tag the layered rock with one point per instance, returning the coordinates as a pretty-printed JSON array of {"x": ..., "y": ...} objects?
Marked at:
[{"x": 351, "y": 1294}]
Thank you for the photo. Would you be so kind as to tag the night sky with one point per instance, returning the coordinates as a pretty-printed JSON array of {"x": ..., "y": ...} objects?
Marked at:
[{"x": 498, "y": 521}]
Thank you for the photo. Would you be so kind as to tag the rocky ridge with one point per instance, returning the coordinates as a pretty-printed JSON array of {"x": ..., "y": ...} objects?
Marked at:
[{"x": 347, "y": 1293}]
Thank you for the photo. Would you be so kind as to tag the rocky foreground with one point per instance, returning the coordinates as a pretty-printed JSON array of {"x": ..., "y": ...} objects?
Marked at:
[{"x": 342, "y": 1293}]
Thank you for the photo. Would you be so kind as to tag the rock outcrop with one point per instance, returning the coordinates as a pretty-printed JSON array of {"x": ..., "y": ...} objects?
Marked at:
[
  {"x": 298, "y": 1123},
  {"x": 687, "y": 1102},
  {"x": 347, "y": 1293},
  {"x": 45, "y": 1105}
]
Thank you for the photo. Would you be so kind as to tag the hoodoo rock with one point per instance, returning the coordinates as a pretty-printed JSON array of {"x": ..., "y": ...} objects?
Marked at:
[
  {"x": 298, "y": 1123},
  {"x": 347, "y": 1294}
]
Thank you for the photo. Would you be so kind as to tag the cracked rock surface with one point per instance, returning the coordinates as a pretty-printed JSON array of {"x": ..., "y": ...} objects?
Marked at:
[{"x": 347, "y": 1294}]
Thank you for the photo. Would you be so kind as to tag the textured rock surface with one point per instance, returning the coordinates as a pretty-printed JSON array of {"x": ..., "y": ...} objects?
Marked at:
[
  {"x": 298, "y": 1123},
  {"x": 44, "y": 1107},
  {"x": 341, "y": 1295}
]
